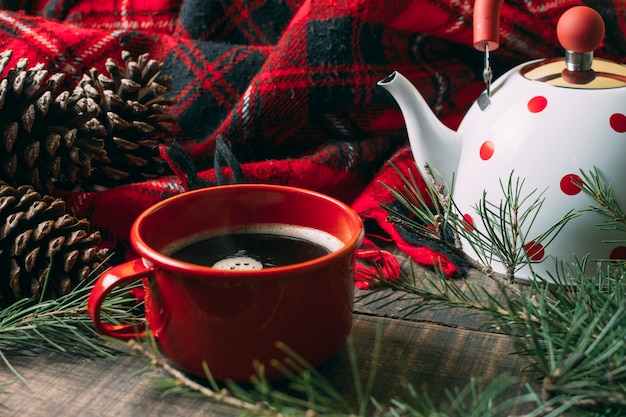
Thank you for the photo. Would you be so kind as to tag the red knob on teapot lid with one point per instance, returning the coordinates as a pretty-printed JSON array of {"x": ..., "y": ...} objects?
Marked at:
[{"x": 580, "y": 29}]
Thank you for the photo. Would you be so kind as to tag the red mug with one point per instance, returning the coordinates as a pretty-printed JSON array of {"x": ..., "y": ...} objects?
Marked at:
[{"x": 233, "y": 319}]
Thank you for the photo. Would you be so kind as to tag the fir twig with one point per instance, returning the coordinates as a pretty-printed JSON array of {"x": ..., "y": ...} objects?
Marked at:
[
  {"x": 433, "y": 215},
  {"x": 222, "y": 396},
  {"x": 429, "y": 213},
  {"x": 607, "y": 205},
  {"x": 572, "y": 332},
  {"x": 309, "y": 394},
  {"x": 60, "y": 325}
]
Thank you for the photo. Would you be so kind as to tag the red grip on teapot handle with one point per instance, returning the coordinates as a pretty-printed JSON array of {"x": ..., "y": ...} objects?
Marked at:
[
  {"x": 487, "y": 24},
  {"x": 119, "y": 275}
]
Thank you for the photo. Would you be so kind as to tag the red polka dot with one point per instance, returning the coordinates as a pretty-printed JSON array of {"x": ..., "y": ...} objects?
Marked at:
[
  {"x": 468, "y": 222},
  {"x": 534, "y": 251},
  {"x": 537, "y": 104},
  {"x": 486, "y": 150},
  {"x": 570, "y": 184},
  {"x": 618, "y": 254},
  {"x": 618, "y": 122}
]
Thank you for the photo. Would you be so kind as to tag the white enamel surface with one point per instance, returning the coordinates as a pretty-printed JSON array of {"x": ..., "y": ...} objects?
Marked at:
[
  {"x": 432, "y": 142},
  {"x": 571, "y": 134}
]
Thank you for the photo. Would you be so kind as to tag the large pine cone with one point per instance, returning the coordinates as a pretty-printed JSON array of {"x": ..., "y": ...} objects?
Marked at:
[
  {"x": 136, "y": 116},
  {"x": 104, "y": 132},
  {"x": 40, "y": 242}
]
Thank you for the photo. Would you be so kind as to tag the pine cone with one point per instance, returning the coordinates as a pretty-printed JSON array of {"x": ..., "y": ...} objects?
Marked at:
[
  {"x": 104, "y": 132},
  {"x": 45, "y": 133},
  {"x": 136, "y": 116},
  {"x": 39, "y": 241}
]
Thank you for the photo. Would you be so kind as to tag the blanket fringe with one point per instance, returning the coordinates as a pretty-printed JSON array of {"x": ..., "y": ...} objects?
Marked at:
[{"x": 373, "y": 264}]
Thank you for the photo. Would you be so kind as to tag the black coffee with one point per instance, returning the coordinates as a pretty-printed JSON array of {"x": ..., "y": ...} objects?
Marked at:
[{"x": 257, "y": 247}]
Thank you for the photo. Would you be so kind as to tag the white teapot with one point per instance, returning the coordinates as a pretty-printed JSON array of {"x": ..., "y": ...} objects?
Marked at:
[{"x": 543, "y": 122}]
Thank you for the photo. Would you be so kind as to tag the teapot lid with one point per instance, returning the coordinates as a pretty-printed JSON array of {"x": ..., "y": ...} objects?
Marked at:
[
  {"x": 580, "y": 31},
  {"x": 603, "y": 74}
]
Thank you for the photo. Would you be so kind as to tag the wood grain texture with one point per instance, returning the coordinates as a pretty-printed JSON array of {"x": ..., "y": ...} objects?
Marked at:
[
  {"x": 74, "y": 387},
  {"x": 435, "y": 350},
  {"x": 433, "y": 357}
]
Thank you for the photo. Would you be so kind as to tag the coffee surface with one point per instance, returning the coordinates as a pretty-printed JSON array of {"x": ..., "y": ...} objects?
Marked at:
[{"x": 256, "y": 247}]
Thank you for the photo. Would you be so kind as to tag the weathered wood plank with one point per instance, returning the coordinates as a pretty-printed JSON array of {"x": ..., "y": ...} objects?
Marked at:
[
  {"x": 435, "y": 349},
  {"x": 433, "y": 356}
]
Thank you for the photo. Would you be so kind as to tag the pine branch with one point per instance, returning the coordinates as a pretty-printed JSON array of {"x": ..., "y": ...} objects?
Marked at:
[
  {"x": 221, "y": 396},
  {"x": 572, "y": 332},
  {"x": 433, "y": 215},
  {"x": 504, "y": 310},
  {"x": 607, "y": 206},
  {"x": 573, "y": 335},
  {"x": 316, "y": 395},
  {"x": 310, "y": 395},
  {"x": 61, "y": 325}
]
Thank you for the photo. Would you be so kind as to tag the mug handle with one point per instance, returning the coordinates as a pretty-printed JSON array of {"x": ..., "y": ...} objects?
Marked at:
[{"x": 118, "y": 275}]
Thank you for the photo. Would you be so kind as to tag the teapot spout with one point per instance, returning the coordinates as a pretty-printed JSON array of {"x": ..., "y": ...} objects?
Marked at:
[{"x": 432, "y": 142}]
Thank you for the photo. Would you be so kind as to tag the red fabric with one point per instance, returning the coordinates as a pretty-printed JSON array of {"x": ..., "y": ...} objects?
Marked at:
[{"x": 290, "y": 84}]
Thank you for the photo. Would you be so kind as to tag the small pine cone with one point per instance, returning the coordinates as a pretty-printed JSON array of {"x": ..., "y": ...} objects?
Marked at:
[
  {"x": 40, "y": 242},
  {"x": 136, "y": 115},
  {"x": 46, "y": 135}
]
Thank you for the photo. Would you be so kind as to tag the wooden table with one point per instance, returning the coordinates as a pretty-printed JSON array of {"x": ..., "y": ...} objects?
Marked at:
[{"x": 436, "y": 349}]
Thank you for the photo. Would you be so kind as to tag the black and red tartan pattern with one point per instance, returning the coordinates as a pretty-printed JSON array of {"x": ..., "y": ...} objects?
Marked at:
[{"x": 291, "y": 84}]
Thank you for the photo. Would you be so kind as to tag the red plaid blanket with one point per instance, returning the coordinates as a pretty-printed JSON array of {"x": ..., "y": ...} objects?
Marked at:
[{"x": 291, "y": 84}]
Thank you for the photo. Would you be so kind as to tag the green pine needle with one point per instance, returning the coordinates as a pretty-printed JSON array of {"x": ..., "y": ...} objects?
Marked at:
[
  {"x": 61, "y": 325},
  {"x": 572, "y": 332}
]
